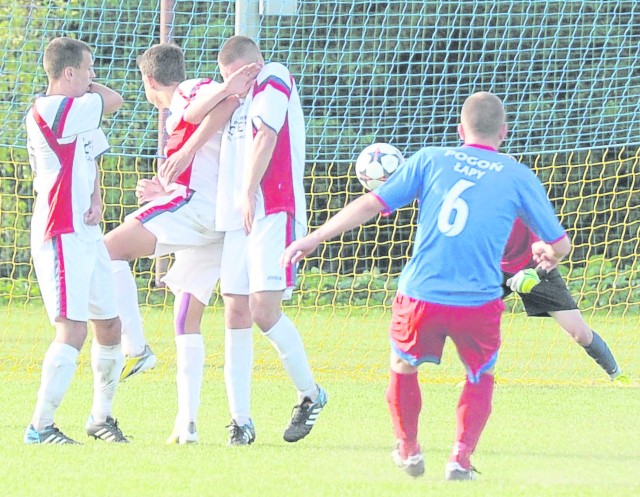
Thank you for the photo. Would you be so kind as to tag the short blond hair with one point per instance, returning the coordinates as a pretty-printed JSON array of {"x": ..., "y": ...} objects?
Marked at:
[
  {"x": 63, "y": 52},
  {"x": 239, "y": 47},
  {"x": 483, "y": 114},
  {"x": 164, "y": 62}
]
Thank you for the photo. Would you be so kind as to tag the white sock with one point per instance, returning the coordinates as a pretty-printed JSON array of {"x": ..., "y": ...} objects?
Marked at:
[
  {"x": 133, "y": 341},
  {"x": 238, "y": 365},
  {"x": 190, "y": 357},
  {"x": 106, "y": 363},
  {"x": 286, "y": 340},
  {"x": 58, "y": 368}
]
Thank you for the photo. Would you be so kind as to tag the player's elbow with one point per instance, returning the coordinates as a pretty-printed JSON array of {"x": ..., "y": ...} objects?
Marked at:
[
  {"x": 113, "y": 102},
  {"x": 192, "y": 116}
]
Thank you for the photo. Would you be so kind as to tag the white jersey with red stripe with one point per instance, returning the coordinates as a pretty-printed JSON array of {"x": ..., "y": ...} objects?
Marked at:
[
  {"x": 64, "y": 139},
  {"x": 274, "y": 102},
  {"x": 202, "y": 174}
]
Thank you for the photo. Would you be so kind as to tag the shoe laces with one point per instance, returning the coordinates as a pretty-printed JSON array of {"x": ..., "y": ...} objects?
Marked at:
[
  {"x": 115, "y": 429},
  {"x": 233, "y": 429},
  {"x": 55, "y": 430},
  {"x": 236, "y": 431}
]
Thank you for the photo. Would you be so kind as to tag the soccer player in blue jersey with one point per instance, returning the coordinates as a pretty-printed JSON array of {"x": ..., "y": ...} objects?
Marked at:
[{"x": 469, "y": 198}]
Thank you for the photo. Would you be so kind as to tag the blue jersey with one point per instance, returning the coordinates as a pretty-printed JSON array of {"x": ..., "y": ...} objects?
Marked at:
[{"x": 469, "y": 198}]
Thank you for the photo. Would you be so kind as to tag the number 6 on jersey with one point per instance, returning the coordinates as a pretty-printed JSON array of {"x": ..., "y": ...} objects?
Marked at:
[{"x": 455, "y": 210}]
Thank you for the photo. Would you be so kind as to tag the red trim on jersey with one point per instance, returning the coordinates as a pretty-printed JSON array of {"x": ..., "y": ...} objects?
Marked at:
[
  {"x": 483, "y": 147},
  {"x": 276, "y": 83},
  {"x": 386, "y": 211},
  {"x": 60, "y": 274},
  {"x": 175, "y": 142},
  {"x": 277, "y": 182},
  {"x": 67, "y": 102},
  {"x": 194, "y": 89},
  {"x": 60, "y": 217},
  {"x": 289, "y": 273}
]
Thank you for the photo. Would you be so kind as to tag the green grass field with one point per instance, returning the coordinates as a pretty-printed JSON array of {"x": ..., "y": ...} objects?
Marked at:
[{"x": 558, "y": 427}]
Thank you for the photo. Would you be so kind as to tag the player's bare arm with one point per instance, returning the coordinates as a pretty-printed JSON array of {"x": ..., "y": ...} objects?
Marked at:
[
  {"x": 264, "y": 144},
  {"x": 112, "y": 99},
  {"x": 213, "y": 122},
  {"x": 238, "y": 83},
  {"x": 547, "y": 256},
  {"x": 351, "y": 216},
  {"x": 94, "y": 215}
]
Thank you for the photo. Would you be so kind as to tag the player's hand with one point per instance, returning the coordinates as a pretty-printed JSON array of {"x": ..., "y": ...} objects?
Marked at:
[
  {"x": 248, "y": 212},
  {"x": 544, "y": 256},
  {"x": 149, "y": 189},
  {"x": 241, "y": 81},
  {"x": 94, "y": 215},
  {"x": 298, "y": 249},
  {"x": 175, "y": 165}
]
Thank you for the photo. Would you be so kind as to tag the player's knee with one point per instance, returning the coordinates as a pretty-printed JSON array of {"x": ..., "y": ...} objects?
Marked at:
[
  {"x": 236, "y": 315},
  {"x": 265, "y": 319},
  {"x": 108, "y": 331},
  {"x": 400, "y": 365},
  {"x": 582, "y": 335}
]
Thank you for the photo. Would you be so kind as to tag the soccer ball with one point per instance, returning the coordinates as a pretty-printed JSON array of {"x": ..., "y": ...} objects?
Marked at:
[{"x": 376, "y": 163}]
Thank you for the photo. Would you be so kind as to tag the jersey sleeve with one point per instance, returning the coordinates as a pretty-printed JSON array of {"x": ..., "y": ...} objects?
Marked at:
[
  {"x": 404, "y": 185},
  {"x": 78, "y": 115},
  {"x": 271, "y": 97},
  {"x": 99, "y": 143},
  {"x": 537, "y": 211}
]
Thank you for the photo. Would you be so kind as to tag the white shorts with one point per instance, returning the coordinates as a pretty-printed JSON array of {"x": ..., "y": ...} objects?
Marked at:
[
  {"x": 251, "y": 263},
  {"x": 178, "y": 221},
  {"x": 196, "y": 271},
  {"x": 75, "y": 278}
]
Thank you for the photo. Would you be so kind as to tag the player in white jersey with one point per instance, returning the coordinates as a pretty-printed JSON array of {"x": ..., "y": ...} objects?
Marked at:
[
  {"x": 177, "y": 218},
  {"x": 261, "y": 209},
  {"x": 71, "y": 262}
]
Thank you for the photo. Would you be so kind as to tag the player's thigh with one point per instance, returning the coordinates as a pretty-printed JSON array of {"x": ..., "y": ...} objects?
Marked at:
[
  {"x": 266, "y": 243},
  {"x": 102, "y": 288},
  {"x": 234, "y": 277},
  {"x": 64, "y": 265},
  {"x": 196, "y": 271},
  {"x": 416, "y": 331},
  {"x": 475, "y": 331},
  {"x": 177, "y": 222},
  {"x": 130, "y": 241}
]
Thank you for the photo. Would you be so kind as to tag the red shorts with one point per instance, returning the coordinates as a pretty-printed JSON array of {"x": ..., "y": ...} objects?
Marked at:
[{"x": 419, "y": 329}]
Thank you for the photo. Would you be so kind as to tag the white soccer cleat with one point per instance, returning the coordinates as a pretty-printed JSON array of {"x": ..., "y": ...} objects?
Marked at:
[
  {"x": 137, "y": 364},
  {"x": 413, "y": 465},
  {"x": 455, "y": 472},
  {"x": 188, "y": 435}
]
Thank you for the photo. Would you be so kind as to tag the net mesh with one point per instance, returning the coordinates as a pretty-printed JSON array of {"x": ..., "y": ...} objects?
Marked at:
[{"x": 393, "y": 71}]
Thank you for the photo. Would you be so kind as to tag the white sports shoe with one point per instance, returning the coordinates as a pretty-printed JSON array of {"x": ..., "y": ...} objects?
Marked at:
[
  {"x": 413, "y": 465},
  {"x": 138, "y": 363},
  {"x": 185, "y": 435},
  {"x": 454, "y": 472}
]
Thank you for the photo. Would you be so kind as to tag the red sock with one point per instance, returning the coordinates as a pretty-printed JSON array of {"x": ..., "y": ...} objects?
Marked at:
[
  {"x": 405, "y": 401},
  {"x": 473, "y": 412}
]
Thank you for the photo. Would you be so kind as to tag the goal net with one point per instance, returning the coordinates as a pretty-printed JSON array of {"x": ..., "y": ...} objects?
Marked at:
[{"x": 393, "y": 71}]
